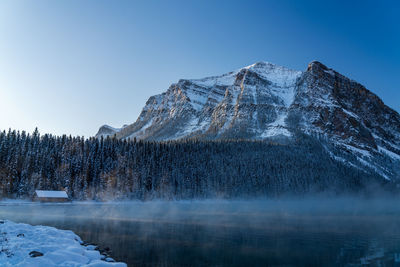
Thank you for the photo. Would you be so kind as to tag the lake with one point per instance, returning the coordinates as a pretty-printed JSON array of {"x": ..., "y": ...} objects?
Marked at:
[{"x": 291, "y": 232}]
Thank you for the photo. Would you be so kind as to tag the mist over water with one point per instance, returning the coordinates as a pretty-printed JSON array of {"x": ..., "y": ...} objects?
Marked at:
[{"x": 291, "y": 232}]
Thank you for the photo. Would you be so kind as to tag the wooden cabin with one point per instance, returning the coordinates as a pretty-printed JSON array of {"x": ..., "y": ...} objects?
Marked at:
[{"x": 50, "y": 196}]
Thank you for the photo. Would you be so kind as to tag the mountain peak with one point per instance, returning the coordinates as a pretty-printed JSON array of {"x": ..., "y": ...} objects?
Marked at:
[
  {"x": 266, "y": 66},
  {"x": 316, "y": 65},
  {"x": 107, "y": 130},
  {"x": 261, "y": 64}
]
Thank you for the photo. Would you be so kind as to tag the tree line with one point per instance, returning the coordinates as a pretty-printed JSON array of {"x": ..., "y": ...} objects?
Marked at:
[{"x": 108, "y": 168}]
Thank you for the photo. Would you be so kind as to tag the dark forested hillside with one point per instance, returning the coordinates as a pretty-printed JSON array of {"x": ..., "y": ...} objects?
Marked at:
[{"x": 110, "y": 168}]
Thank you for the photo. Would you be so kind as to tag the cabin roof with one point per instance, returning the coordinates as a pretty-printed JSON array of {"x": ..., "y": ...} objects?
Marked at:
[{"x": 51, "y": 194}]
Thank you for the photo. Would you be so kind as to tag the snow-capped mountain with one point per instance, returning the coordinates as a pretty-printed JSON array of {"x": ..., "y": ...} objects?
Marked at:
[
  {"x": 107, "y": 130},
  {"x": 265, "y": 101}
]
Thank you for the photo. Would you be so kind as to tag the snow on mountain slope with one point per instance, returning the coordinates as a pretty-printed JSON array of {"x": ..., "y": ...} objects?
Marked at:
[
  {"x": 350, "y": 116},
  {"x": 107, "y": 130},
  {"x": 252, "y": 102},
  {"x": 265, "y": 101}
]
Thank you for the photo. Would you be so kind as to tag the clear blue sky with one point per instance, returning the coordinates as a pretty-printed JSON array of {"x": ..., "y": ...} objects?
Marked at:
[{"x": 71, "y": 66}]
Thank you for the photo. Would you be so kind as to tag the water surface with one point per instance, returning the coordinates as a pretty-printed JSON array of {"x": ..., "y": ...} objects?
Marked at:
[{"x": 313, "y": 232}]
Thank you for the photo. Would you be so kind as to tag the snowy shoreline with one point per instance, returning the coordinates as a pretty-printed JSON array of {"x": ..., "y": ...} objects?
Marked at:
[{"x": 26, "y": 245}]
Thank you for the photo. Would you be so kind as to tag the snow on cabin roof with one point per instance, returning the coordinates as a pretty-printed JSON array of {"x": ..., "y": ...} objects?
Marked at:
[{"x": 50, "y": 194}]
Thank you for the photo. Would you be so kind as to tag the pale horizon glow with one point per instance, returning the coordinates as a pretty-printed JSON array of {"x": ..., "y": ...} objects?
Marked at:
[{"x": 68, "y": 67}]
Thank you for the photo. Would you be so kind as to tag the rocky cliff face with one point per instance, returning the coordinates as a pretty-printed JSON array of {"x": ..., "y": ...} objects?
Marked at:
[
  {"x": 349, "y": 116},
  {"x": 264, "y": 101}
]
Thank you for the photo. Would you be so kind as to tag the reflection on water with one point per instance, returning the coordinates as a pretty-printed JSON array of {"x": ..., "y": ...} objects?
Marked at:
[{"x": 343, "y": 232}]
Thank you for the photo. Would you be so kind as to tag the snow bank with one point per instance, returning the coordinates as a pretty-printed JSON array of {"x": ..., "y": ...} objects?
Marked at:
[{"x": 27, "y": 245}]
